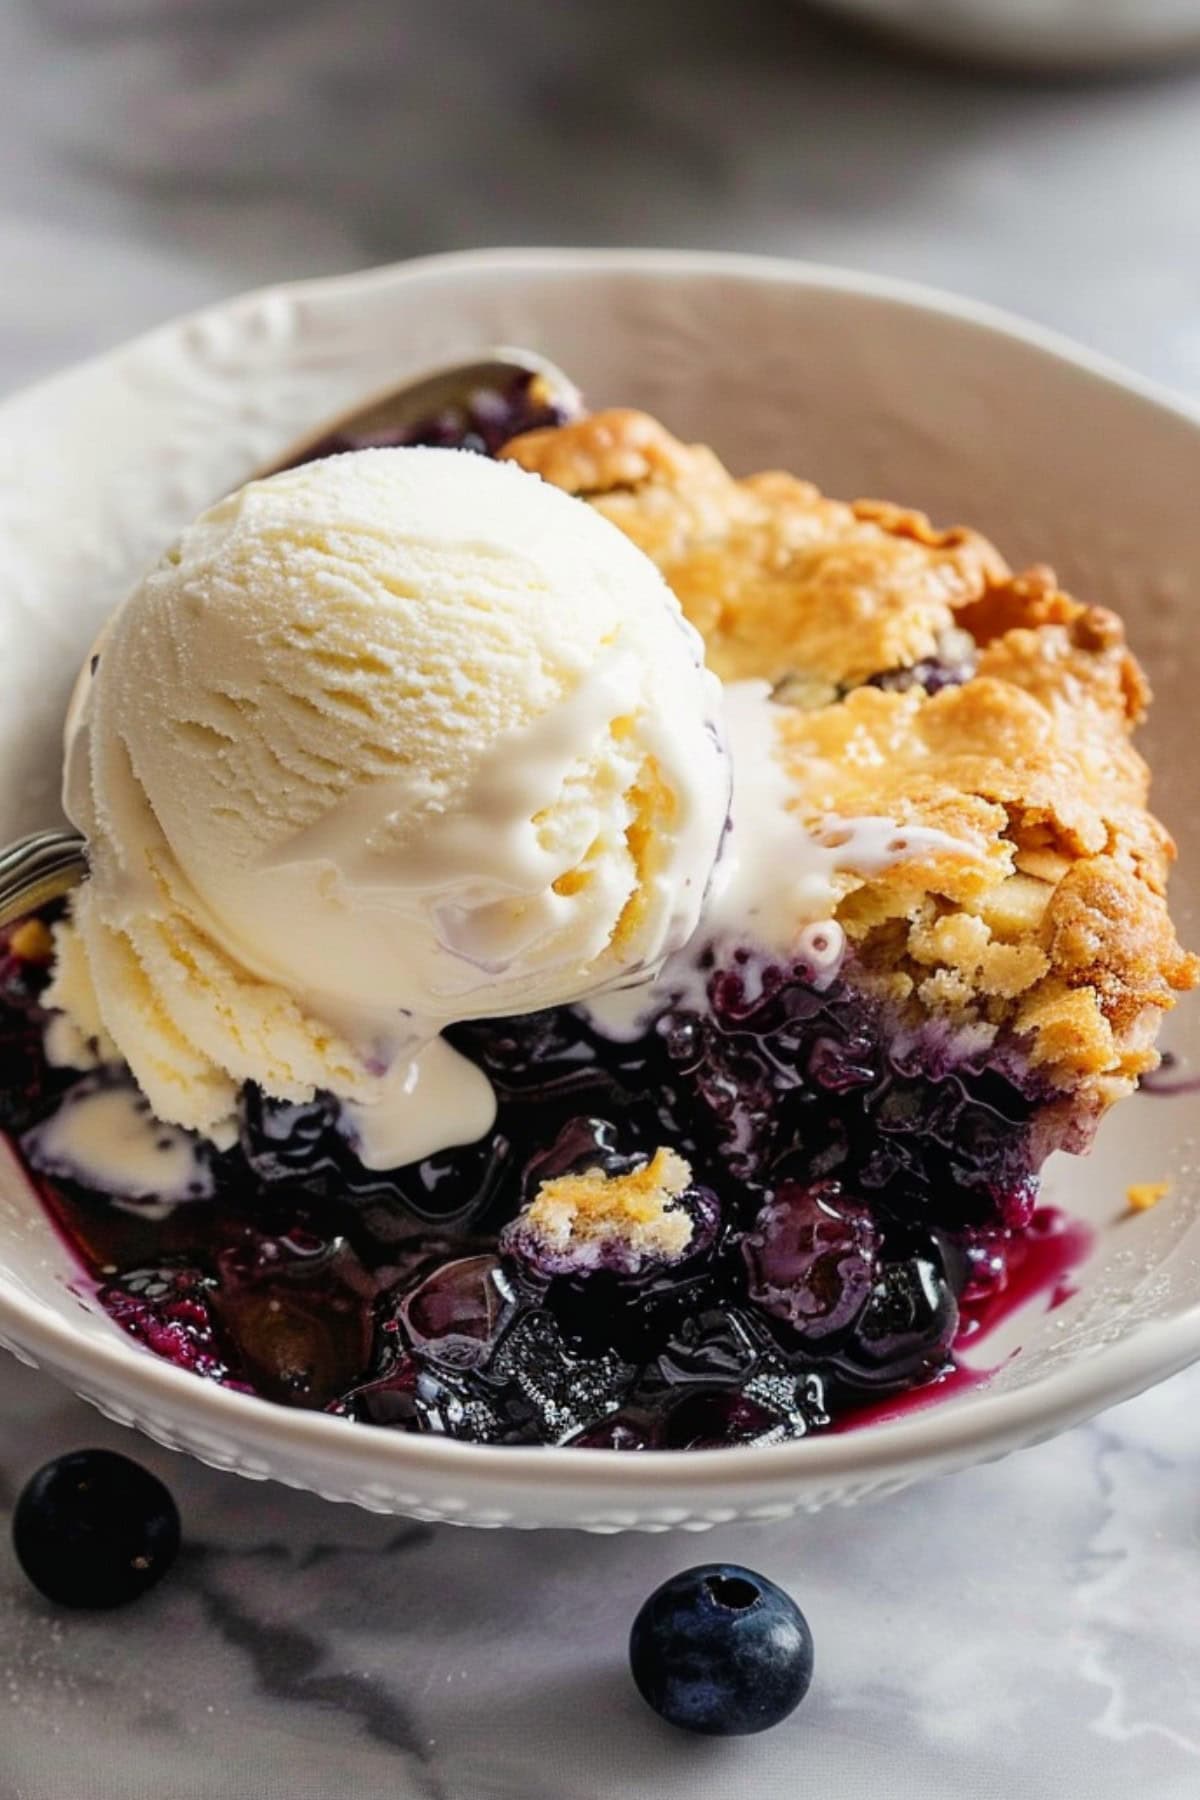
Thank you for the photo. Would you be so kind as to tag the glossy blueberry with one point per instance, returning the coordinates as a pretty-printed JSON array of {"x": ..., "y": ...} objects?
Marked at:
[
  {"x": 812, "y": 1259},
  {"x": 303, "y": 1146},
  {"x": 282, "y": 1140},
  {"x": 458, "y": 1312},
  {"x": 300, "y": 1309},
  {"x": 717, "y": 1420},
  {"x": 722, "y": 1651},
  {"x": 27, "y": 1084},
  {"x": 93, "y": 1529},
  {"x": 561, "y": 1394},
  {"x": 907, "y": 1328}
]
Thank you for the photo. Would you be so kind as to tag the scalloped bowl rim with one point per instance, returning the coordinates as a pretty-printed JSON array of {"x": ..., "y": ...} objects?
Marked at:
[{"x": 936, "y": 1433}]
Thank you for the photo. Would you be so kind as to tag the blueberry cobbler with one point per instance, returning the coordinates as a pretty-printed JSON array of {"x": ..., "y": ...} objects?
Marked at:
[{"x": 580, "y": 948}]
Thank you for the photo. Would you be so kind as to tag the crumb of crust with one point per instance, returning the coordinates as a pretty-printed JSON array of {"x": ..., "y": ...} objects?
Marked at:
[
  {"x": 784, "y": 584},
  {"x": 638, "y": 1210},
  {"x": 1143, "y": 1195},
  {"x": 32, "y": 941}
]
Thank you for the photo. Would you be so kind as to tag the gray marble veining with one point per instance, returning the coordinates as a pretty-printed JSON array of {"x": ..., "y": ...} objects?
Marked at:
[{"x": 1025, "y": 1631}]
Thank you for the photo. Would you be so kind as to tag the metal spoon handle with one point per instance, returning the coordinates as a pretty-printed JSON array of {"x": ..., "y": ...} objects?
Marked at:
[{"x": 37, "y": 869}]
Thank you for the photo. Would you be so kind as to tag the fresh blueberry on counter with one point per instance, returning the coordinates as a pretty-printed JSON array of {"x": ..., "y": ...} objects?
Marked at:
[
  {"x": 93, "y": 1529},
  {"x": 722, "y": 1651}
]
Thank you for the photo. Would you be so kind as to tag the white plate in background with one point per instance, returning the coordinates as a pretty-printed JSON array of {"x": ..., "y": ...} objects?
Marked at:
[{"x": 1064, "y": 35}]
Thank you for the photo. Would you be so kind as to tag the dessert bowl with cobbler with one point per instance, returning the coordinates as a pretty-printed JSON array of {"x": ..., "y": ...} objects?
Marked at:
[{"x": 593, "y": 948}]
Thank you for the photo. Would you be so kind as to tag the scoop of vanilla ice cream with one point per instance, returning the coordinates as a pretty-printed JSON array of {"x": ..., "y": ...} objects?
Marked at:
[{"x": 391, "y": 740}]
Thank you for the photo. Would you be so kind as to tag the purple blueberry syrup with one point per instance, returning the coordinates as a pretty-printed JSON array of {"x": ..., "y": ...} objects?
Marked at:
[{"x": 856, "y": 1218}]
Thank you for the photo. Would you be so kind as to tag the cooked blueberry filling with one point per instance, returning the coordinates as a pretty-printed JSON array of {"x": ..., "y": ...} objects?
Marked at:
[
  {"x": 813, "y": 1261},
  {"x": 740, "y": 1227},
  {"x": 840, "y": 1211},
  {"x": 803, "y": 1083}
]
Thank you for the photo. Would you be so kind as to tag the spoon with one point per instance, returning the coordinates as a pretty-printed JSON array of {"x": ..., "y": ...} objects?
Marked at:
[{"x": 48, "y": 864}]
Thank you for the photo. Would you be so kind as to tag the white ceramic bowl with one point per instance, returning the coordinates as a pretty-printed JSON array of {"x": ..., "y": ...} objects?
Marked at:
[{"x": 870, "y": 387}]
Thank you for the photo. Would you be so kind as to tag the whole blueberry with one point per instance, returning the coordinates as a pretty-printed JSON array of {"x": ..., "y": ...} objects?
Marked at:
[
  {"x": 907, "y": 1329},
  {"x": 812, "y": 1259},
  {"x": 721, "y": 1650},
  {"x": 93, "y": 1529}
]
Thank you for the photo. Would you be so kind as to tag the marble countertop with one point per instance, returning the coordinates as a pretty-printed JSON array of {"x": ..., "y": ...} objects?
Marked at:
[{"x": 1025, "y": 1631}]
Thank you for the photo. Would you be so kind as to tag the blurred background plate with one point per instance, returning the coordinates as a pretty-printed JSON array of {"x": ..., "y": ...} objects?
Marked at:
[{"x": 1063, "y": 35}]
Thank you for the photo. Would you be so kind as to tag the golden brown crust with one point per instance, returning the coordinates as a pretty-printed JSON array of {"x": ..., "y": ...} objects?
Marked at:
[
  {"x": 780, "y": 580},
  {"x": 1052, "y": 925}
]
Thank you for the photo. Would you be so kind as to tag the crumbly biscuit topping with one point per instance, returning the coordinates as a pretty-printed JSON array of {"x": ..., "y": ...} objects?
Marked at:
[
  {"x": 1143, "y": 1196},
  {"x": 587, "y": 1214},
  {"x": 31, "y": 941},
  {"x": 782, "y": 582},
  {"x": 1051, "y": 928}
]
